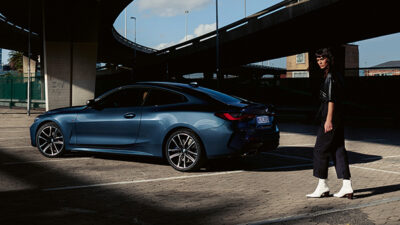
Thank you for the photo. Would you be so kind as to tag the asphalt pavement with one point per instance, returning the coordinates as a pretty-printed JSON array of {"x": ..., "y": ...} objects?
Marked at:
[{"x": 268, "y": 188}]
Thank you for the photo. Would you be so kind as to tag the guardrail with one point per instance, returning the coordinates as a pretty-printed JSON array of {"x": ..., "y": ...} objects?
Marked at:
[
  {"x": 5, "y": 20},
  {"x": 131, "y": 44},
  {"x": 207, "y": 36},
  {"x": 227, "y": 28}
]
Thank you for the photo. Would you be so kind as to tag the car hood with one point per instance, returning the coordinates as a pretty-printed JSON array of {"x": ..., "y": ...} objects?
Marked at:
[{"x": 66, "y": 110}]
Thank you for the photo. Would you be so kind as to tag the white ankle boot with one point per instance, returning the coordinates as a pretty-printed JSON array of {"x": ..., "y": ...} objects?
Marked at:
[
  {"x": 322, "y": 190},
  {"x": 346, "y": 191}
]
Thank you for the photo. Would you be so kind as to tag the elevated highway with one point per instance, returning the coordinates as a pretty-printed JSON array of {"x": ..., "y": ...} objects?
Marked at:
[{"x": 73, "y": 35}]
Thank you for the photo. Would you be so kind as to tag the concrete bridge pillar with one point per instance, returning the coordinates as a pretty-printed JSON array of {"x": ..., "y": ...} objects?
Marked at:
[{"x": 70, "y": 52}]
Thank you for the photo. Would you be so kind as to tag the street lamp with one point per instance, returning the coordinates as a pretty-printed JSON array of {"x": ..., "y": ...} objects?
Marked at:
[
  {"x": 186, "y": 12},
  {"x": 125, "y": 23},
  {"x": 132, "y": 17},
  {"x": 245, "y": 13},
  {"x": 217, "y": 44}
]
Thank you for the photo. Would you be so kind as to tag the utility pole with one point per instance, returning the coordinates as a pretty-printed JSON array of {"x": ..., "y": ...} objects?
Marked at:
[
  {"x": 28, "y": 94},
  {"x": 245, "y": 12},
  {"x": 186, "y": 24},
  {"x": 217, "y": 45},
  {"x": 132, "y": 17},
  {"x": 125, "y": 23}
]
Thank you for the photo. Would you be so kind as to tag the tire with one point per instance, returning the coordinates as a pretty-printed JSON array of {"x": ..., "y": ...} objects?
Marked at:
[
  {"x": 184, "y": 151},
  {"x": 50, "y": 140}
]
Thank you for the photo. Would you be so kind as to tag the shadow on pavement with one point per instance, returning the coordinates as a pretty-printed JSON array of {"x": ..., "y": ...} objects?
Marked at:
[
  {"x": 283, "y": 159},
  {"x": 367, "y": 192},
  {"x": 23, "y": 200}
]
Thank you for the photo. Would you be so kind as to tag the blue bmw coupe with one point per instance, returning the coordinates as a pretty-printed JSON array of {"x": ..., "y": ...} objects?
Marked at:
[{"x": 184, "y": 123}]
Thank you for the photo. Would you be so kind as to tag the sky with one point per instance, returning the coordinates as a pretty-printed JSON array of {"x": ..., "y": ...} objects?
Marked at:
[{"x": 162, "y": 23}]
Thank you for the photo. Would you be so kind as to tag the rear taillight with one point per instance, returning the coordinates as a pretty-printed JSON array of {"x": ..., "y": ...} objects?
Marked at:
[{"x": 235, "y": 116}]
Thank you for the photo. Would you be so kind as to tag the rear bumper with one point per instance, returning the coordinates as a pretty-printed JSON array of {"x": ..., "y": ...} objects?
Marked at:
[{"x": 255, "y": 140}]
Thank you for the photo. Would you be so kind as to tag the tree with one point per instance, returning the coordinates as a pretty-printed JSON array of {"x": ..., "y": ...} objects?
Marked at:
[{"x": 15, "y": 61}]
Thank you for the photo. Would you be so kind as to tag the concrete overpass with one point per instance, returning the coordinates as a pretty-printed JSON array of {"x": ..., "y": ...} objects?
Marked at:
[
  {"x": 73, "y": 35},
  {"x": 290, "y": 30}
]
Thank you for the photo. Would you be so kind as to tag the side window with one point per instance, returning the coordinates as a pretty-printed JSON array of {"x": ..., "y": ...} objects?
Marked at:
[
  {"x": 163, "y": 97},
  {"x": 129, "y": 97}
]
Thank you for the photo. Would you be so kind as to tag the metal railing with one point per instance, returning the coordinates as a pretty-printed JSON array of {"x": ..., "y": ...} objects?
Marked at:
[
  {"x": 131, "y": 44},
  {"x": 207, "y": 36},
  {"x": 5, "y": 20},
  {"x": 228, "y": 28}
]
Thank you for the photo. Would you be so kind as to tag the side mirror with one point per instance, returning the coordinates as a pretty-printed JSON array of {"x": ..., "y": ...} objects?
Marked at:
[{"x": 90, "y": 102}]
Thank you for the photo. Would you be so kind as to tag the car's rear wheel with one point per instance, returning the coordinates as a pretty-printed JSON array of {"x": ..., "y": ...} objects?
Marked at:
[
  {"x": 184, "y": 150},
  {"x": 50, "y": 140}
]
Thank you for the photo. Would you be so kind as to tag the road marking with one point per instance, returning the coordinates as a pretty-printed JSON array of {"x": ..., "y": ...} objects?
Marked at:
[
  {"x": 14, "y": 131},
  {"x": 324, "y": 212},
  {"x": 287, "y": 156},
  {"x": 26, "y": 146},
  {"x": 12, "y": 138},
  {"x": 373, "y": 139},
  {"x": 290, "y": 134},
  {"x": 391, "y": 156},
  {"x": 298, "y": 145},
  {"x": 283, "y": 167},
  {"x": 170, "y": 178},
  {"x": 45, "y": 161},
  {"x": 377, "y": 170},
  {"x": 353, "y": 166},
  {"x": 140, "y": 181}
]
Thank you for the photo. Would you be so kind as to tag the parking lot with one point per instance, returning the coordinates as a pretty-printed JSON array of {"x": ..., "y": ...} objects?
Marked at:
[{"x": 261, "y": 189}]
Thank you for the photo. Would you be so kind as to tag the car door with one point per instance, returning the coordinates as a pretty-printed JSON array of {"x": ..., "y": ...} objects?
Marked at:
[
  {"x": 113, "y": 121},
  {"x": 160, "y": 111}
]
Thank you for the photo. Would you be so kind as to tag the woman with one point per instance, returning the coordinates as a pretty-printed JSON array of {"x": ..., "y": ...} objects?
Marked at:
[{"x": 330, "y": 137}]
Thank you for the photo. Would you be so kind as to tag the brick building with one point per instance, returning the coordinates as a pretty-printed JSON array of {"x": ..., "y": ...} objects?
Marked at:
[
  {"x": 391, "y": 68},
  {"x": 346, "y": 57}
]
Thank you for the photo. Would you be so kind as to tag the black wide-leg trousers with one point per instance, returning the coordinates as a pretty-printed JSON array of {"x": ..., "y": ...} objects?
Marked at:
[{"x": 331, "y": 144}]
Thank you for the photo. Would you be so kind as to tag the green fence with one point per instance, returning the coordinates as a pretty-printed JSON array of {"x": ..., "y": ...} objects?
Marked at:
[{"x": 13, "y": 91}]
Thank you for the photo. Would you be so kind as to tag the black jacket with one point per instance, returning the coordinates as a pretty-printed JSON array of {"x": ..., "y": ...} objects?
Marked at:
[{"x": 332, "y": 91}]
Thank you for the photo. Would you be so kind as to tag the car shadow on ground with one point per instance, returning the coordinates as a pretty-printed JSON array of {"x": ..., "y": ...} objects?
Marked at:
[
  {"x": 119, "y": 157},
  {"x": 282, "y": 159}
]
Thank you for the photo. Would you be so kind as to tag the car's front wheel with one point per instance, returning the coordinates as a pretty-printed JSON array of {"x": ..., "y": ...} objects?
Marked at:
[
  {"x": 50, "y": 140},
  {"x": 184, "y": 150}
]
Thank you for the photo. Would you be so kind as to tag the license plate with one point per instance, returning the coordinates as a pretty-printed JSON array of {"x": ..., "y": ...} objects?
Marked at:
[{"x": 263, "y": 120}]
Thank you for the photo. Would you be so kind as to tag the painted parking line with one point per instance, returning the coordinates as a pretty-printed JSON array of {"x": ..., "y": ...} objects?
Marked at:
[
  {"x": 14, "y": 147},
  {"x": 13, "y": 138},
  {"x": 141, "y": 181},
  {"x": 44, "y": 161},
  {"x": 297, "y": 145},
  {"x": 353, "y": 166},
  {"x": 324, "y": 212},
  {"x": 14, "y": 131},
  {"x": 377, "y": 170},
  {"x": 290, "y": 134},
  {"x": 172, "y": 178},
  {"x": 287, "y": 156}
]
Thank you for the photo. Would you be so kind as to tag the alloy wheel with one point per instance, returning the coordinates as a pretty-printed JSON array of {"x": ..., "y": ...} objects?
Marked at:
[
  {"x": 183, "y": 151},
  {"x": 50, "y": 140}
]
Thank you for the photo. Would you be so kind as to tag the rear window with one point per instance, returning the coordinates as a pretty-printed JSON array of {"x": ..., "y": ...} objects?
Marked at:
[{"x": 219, "y": 95}]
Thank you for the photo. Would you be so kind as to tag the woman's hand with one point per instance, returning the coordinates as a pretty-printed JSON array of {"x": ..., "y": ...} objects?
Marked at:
[
  {"x": 328, "y": 126},
  {"x": 328, "y": 122}
]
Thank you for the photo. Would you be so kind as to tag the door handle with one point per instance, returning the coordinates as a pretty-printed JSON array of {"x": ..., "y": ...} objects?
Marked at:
[{"x": 129, "y": 115}]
